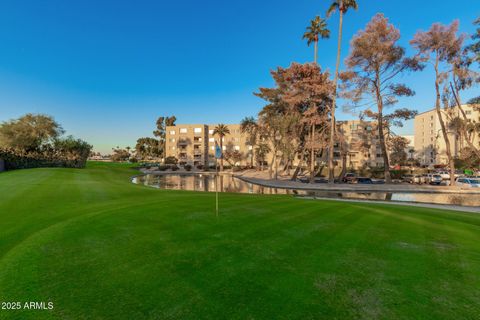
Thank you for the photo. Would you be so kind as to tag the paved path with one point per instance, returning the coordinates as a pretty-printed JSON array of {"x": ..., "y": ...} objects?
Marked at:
[{"x": 340, "y": 187}]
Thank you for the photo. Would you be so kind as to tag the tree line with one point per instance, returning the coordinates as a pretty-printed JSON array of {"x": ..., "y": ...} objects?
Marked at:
[
  {"x": 35, "y": 140},
  {"x": 298, "y": 120}
]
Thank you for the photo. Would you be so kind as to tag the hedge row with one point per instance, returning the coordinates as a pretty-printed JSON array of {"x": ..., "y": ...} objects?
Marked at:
[{"x": 25, "y": 160}]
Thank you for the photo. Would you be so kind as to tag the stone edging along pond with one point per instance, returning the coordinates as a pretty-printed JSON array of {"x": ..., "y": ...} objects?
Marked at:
[
  {"x": 399, "y": 188},
  {"x": 295, "y": 185}
]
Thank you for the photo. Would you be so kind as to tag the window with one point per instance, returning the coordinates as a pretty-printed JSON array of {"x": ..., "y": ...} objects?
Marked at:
[
  {"x": 211, "y": 140},
  {"x": 237, "y": 148},
  {"x": 197, "y": 130},
  {"x": 379, "y": 155},
  {"x": 172, "y": 139},
  {"x": 212, "y": 147},
  {"x": 250, "y": 148},
  {"x": 468, "y": 112},
  {"x": 224, "y": 148},
  {"x": 183, "y": 130},
  {"x": 172, "y": 132},
  {"x": 210, "y": 131}
]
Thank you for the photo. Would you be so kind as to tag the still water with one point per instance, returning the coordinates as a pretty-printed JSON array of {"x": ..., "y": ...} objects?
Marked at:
[{"x": 206, "y": 183}]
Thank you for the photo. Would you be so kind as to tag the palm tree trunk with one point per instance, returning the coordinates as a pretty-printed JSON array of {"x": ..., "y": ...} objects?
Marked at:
[
  {"x": 315, "y": 58},
  {"x": 312, "y": 156},
  {"x": 442, "y": 123},
  {"x": 331, "y": 177},
  {"x": 221, "y": 158}
]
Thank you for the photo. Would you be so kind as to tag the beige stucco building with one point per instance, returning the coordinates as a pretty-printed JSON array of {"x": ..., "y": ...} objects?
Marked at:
[
  {"x": 430, "y": 147},
  {"x": 195, "y": 144},
  {"x": 361, "y": 143}
]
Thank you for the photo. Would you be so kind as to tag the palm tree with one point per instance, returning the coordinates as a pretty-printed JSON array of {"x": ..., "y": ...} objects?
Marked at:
[
  {"x": 221, "y": 131},
  {"x": 250, "y": 127},
  {"x": 316, "y": 29},
  {"x": 342, "y": 6}
]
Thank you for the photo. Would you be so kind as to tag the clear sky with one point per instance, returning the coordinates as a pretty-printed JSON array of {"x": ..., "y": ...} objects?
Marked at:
[{"x": 107, "y": 69}]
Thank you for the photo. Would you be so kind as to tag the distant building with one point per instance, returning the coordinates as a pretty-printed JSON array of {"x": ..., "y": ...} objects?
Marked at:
[
  {"x": 362, "y": 144},
  {"x": 195, "y": 143},
  {"x": 430, "y": 146}
]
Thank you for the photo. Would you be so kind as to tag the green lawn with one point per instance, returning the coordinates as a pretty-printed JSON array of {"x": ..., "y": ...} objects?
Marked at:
[{"x": 99, "y": 247}]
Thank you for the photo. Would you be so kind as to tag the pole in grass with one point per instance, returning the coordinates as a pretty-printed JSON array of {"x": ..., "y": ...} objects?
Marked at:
[{"x": 218, "y": 155}]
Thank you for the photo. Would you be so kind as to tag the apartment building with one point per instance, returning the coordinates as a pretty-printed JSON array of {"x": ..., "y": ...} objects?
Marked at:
[
  {"x": 361, "y": 143},
  {"x": 188, "y": 143},
  {"x": 195, "y": 143},
  {"x": 430, "y": 147}
]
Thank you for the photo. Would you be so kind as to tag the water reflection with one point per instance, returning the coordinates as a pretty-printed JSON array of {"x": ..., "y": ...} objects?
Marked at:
[{"x": 206, "y": 183}]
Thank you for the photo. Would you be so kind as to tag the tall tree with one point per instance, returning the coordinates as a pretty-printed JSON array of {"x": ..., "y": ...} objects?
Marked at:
[
  {"x": 374, "y": 62},
  {"x": 437, "y": 46},
  {"x": 147, "y": 147},
  {"x": 475, "y": 47},
  {"x": 317, "y": 29},
  {"x": 29, "y": 133},
  {"x": 221, "y": 131},
  {"x": 342, "y": 6},
  {"x": 249, "y": 126},
  {"x": 302, "y": 91},
  {"x": 398, "y": 146},
  {"x": 162, "y": 123},
  {"x": 463, "y": 77}
]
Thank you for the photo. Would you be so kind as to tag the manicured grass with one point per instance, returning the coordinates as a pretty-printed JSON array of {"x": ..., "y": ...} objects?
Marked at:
[{"x": 100, "y": 247}]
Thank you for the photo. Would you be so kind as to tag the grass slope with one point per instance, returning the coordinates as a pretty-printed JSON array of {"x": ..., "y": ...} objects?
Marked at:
[{"x": 100, "y": 247}]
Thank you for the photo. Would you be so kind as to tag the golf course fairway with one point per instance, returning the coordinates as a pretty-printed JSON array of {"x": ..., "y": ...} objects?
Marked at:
[{"x": 96, "y": 246}]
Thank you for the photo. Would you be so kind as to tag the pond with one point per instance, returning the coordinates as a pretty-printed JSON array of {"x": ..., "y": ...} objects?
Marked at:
[{"x": 206, "y": 183}]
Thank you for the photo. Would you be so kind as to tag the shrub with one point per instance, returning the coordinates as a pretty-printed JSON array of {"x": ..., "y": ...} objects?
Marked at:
[
  {"x": 200, "y": 166},
  {"x": 24, "y": 160},
  {"x": 188, "y": 167},
  {"x": 398, "y": 174},
  {"x": 171, "y": 160},
  {"x": 174, "y": 168}
]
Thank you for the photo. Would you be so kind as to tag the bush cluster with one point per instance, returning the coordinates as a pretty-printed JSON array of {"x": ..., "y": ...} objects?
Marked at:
[{"x": 15, "y": 159}]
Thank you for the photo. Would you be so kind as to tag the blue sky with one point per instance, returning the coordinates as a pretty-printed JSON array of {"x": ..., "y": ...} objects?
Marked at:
[{"x": 107, "y": 69}]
